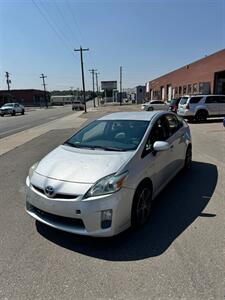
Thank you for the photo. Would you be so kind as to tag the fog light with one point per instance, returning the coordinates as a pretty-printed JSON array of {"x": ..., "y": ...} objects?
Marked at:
[{"x": 106, "y": 218}]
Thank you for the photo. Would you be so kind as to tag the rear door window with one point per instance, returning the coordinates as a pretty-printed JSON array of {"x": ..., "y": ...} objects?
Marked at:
[{"x": 195, "y": 100}]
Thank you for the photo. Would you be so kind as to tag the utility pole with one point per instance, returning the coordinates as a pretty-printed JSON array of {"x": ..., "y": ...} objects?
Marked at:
[
  {"x": 92, "y": 71},
  {"x": 44, "y": 84},
  {"x": 82, "y": 72},
  {"x": 8, "y": 81},
  {"x": 96, "y": 79},
  {"x": 121, "y": 85}
]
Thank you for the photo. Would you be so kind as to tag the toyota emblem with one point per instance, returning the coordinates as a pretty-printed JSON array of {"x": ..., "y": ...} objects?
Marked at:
[{"x": 49, "y": 191}]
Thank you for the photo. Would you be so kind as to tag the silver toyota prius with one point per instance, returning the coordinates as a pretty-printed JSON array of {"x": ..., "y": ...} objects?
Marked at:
[{"x": 104, "y": 178}]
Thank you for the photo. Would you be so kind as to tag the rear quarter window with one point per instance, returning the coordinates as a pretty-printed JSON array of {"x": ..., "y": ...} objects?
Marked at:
[{"x": 183, "y": 100}]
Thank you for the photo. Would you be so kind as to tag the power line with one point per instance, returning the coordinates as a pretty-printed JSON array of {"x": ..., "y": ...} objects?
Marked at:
[
  {"x": 67, "y": 25},
  {"x": 59, "y": 35},
  {"x": 82, "y": 72},
  {"x": 76, "y": 23}
]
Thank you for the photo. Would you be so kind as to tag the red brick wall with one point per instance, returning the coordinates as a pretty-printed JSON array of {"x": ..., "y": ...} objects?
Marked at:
[
  {"x": 25, "y": 97},
  {"x": 200, "y": 71}
]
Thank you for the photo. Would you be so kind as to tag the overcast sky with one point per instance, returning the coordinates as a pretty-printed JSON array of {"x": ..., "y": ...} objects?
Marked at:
[{"x": 148, "y": 38}]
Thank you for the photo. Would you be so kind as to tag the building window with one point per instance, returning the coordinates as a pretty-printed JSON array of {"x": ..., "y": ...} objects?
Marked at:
[
  {"x": 180, "y": 90},
  {"x": 184, "y": 89},
  {"x": 189, "y": 89},
  {"x": 204, "y": 88},
  {"x": 195, "y": 88}
]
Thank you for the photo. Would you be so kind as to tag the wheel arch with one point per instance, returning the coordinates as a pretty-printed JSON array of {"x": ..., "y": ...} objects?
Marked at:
[{"x": 144, "y": 181}]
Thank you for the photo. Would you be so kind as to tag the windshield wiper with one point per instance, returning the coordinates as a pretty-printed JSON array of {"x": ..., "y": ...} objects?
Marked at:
[
  {"x": 79, "y": 145},
  {"x": 109, "y": 148},
  {"x": 96, "y": 147}
]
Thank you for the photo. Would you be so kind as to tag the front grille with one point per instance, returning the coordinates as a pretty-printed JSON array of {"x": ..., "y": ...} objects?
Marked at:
[
  {"x": 54, "y": 218},
  {"x": 58, "y": 195}
]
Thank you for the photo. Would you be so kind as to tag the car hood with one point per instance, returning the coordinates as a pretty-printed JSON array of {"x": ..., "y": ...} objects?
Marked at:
[{"x": 81, "y": 165}]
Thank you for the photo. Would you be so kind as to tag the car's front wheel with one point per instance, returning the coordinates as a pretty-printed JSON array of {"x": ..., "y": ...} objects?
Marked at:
[
  {"x": 142, "y": 205},
  {"x": 2, "y": 115},
  {"x": 13, "y": 113},
  {"x": 150, "y": 108},
  {"x": 22, "y": 113}
]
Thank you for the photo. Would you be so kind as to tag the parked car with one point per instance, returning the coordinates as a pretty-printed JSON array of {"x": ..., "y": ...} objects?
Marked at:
[
  {"x": 154, "y": 105},
  {"x": 12, "y": 109},
  {"x": 201, "y": 107},
  {"x": 173, "y": 105},
  {"x": 77, "y": 105},
  {"x": 103, "y": 179}
]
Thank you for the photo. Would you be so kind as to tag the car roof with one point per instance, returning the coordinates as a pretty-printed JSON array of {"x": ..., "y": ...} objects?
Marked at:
[
  {"x": 200, "y": 95},
  {"x": 139, "y": 116}
]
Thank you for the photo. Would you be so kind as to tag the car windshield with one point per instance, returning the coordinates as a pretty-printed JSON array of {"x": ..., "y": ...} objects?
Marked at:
[
  {"x": 184, "y": 100},
  {"x": 8, "y": 104},
  {"x": 110, "y": 135}
]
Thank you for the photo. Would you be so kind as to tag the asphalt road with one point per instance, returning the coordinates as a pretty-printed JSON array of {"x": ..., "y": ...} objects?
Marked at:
[
  {"x": 33, "y": 117},
  {"x": 179, "y": 254}
]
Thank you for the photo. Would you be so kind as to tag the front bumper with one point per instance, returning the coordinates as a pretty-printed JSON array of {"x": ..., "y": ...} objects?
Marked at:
[
  {"x": 5, "y": 111},
  {"x": 81, "y": 216}
]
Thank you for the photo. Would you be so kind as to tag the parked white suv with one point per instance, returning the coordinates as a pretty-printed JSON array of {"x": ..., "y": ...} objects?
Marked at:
[{"x": 200, "y": 107}]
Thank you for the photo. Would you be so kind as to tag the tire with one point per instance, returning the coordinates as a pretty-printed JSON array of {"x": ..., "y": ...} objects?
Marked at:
[
  {"x": 141, "y": 207},
  {"x": 22, "y": 113},
  {"x": 201, "y": 116},
  {"x": 188, "y": 159},
  {"x": 13, "y": 113},
  {"x": 150, "y": 108},
  {"x": 2, "y": 115}
]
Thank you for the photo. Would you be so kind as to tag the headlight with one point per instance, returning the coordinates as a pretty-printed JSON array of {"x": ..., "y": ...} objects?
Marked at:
[
  {"x": 32, "y": 169},
  {"x": 107, "y": 185}
]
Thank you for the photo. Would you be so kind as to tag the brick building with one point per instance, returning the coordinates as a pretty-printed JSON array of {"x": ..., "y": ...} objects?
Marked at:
[
  {"x": 28, "y": 97},
  {"x": 204, "y": 76}
]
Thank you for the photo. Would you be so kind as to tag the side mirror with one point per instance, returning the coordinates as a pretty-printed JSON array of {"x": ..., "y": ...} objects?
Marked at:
[{"x": 161, "y": 146}]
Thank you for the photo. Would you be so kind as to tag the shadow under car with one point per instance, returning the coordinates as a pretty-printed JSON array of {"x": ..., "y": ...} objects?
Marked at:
[{"x": 177, "y": 206}]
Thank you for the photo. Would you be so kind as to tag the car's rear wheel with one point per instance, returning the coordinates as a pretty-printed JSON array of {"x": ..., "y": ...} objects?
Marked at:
[
  {"x": 142, "y": 205},
  {"x": 188, "y": 158},
  {"x": 201, "y": 116}
]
